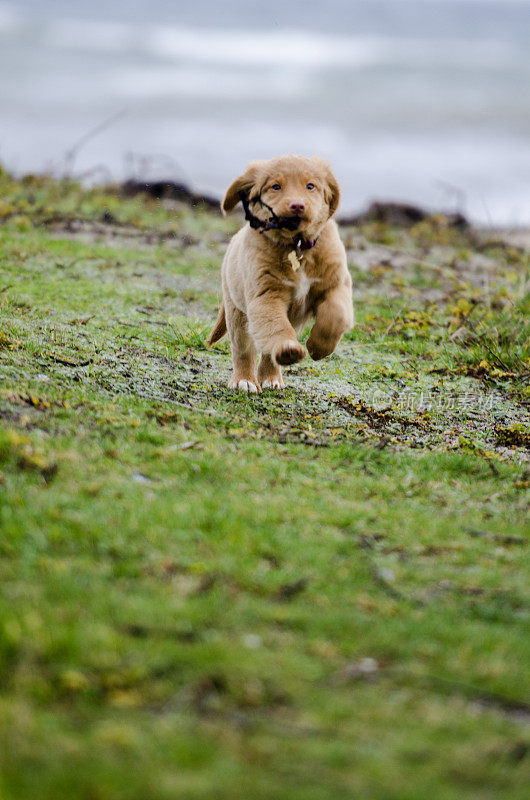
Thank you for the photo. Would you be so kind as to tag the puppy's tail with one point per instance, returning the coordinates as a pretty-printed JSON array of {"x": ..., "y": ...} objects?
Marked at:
[{"x": 219, "y": 329}]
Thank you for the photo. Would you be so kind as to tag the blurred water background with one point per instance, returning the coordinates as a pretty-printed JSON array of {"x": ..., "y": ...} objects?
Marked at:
[{"x": 426, "y": 101}]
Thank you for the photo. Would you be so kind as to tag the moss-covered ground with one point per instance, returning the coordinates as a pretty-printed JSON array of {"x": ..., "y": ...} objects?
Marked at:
[{"x": 311, "y": 595}]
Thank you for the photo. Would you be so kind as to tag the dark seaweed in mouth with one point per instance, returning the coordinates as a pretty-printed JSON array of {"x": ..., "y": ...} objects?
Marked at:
[{"x": 274, "y": 223}]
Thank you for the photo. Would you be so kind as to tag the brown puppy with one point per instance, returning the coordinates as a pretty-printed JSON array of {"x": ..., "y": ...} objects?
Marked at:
[{"x": 286, "y": 266}]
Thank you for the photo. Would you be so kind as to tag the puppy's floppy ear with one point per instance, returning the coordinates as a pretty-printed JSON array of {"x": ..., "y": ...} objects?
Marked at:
[
  {"x": 331, "y": 186},
  {"x": 245, "y": 181},
  {"x": 333, "y": 192}
]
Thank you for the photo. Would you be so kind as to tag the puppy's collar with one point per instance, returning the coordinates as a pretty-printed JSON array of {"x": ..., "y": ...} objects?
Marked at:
[{"x": 304, "y": 244}]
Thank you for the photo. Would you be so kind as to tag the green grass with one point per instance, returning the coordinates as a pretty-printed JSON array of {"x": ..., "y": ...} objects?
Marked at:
[{"x": 309, "y": 595}]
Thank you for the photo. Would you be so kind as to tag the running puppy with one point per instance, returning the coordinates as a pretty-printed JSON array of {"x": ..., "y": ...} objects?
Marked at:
[{"x": 286, "y": 266}]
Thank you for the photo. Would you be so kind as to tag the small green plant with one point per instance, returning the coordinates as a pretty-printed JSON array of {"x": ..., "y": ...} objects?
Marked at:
[{"x": 188, "y": 333}]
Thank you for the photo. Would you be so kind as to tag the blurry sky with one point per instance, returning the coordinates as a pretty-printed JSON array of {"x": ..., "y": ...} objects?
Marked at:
[{"x": 419, "y": 100}]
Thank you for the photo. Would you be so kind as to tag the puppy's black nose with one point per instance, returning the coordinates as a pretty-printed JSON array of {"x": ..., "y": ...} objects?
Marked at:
[{"x": 297, "y": 208}]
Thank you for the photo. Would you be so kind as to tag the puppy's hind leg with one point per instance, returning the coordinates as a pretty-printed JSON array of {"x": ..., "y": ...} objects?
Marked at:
[
  {"x": 244, "y": 352},
  {"x": 269, "y": 373}
]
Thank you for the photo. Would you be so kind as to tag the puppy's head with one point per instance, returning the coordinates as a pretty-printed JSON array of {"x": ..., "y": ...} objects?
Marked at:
[{"x": 293, "y": 186}]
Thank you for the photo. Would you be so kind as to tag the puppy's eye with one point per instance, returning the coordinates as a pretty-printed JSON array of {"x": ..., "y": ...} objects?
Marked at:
[
  {"x": 310, "y": 186},
  {"x": 276, "y": 187}
]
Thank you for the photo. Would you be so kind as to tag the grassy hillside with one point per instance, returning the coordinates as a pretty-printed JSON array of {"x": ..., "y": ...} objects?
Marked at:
[{"x": 311, "y": 595}]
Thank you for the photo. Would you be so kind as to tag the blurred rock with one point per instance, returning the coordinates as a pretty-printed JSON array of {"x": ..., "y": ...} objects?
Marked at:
[
  {"x": 402, "y": 215},
  {"x": 168, "y": 190}
]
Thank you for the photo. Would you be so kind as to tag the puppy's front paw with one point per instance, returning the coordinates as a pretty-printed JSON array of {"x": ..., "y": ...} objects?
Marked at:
[
  {"x": 243, "y": 385},
  {"x": 288, "y": 352},
  {"x": 320, "y": 348}
]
